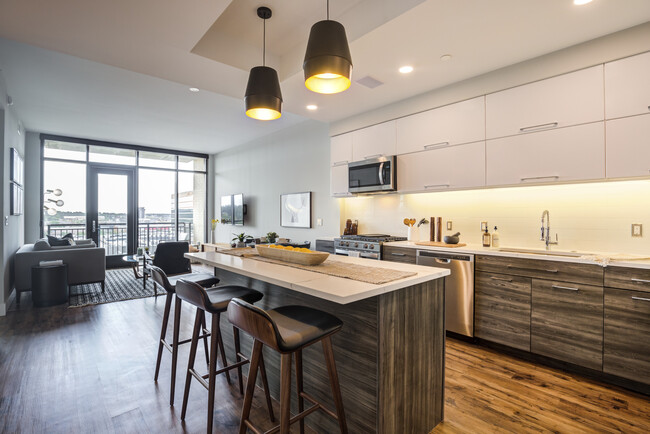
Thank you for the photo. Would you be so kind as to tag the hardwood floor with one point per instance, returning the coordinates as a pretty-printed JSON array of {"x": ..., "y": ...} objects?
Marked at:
[
  {"x": 486, "y": 392},
  {"x": 91, "y": 370}
]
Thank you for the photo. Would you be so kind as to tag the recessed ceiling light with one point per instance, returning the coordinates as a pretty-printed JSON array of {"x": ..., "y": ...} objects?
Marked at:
[
  {"x": 581, "y": 2},
  {"x": 194, "y": 89},
  {"x": 312, "y": 107},
  {"x": 406, "y": 69},
  {"x": 445, "y": 57}
]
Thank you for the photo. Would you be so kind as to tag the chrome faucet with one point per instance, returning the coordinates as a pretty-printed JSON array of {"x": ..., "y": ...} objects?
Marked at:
[{"x": 547, "y": 237}]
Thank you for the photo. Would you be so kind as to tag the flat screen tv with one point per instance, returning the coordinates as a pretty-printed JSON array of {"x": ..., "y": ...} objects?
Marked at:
[
  {"x": 238, "y": 207},
  {"x": 226, "y": 210}
]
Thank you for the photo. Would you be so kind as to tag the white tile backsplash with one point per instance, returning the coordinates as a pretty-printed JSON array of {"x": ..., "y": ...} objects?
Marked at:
[{"x": 587, "y": 217}]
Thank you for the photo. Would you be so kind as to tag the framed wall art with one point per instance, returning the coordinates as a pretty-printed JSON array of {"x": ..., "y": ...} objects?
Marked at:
[{"x": 295, "y": 210}]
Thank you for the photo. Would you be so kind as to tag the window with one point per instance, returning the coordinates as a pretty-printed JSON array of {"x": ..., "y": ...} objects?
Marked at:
[
  {"x": 104, "y": 154},
  {"x": 169, "y": 201},
  {"x": 64, "y": 198}
]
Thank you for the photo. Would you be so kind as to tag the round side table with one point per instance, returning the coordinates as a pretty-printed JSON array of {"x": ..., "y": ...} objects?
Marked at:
[{"x": 50, "y": 285}]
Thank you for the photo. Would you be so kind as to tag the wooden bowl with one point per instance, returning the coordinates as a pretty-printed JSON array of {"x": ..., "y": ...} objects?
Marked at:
[{"x": 303, "y": 258}]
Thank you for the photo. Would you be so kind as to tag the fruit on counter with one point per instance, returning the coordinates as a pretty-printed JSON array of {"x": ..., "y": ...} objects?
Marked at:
[{"x": 294, "y": 249}]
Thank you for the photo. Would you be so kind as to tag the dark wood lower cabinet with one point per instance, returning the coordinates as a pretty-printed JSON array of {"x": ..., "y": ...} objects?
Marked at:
[
  {"x": 627, "y": 334},
  {"x": 567, "y": 322},
  {"x": 399, "y": 254},
  {"x": 502, "y": 309}
]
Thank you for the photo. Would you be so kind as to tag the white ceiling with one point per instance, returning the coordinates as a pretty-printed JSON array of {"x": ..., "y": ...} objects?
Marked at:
[{"x": 134, "y": 60}]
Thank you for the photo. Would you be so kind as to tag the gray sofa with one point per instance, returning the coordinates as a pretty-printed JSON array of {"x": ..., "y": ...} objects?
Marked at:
[{"x": 86, "y": 262}]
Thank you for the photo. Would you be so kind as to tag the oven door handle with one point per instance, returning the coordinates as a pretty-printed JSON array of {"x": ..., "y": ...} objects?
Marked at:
[
  {"x": 341, "y": 252},
  {"x": 369, "y": 255}
]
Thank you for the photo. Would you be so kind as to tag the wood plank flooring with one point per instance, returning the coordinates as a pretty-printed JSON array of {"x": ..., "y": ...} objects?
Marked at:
[{"x": 91, "y": 370}]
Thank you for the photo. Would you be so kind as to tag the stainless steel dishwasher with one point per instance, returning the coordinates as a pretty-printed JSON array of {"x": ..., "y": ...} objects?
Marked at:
[{"x": 459, "y": 288}]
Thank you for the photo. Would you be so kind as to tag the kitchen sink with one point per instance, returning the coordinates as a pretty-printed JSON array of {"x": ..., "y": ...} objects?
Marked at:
[{"x": 542, "y": 252}]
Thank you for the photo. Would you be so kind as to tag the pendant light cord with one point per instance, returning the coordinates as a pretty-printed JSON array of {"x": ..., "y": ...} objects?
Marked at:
[
  {"x": 264, "y": 45},
  {"x": 328, "y": 10}
]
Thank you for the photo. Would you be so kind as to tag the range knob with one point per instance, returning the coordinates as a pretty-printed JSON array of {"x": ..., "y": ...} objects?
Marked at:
[
  {"x": 365, "y": 246},
  {"x": 356, "y": 244},
  {"x": 372, "y": 246}
]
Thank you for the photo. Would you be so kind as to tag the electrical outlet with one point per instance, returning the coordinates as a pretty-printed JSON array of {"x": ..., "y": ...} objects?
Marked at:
[
  {"x": 637, "y": 230},
  {"x": 319, "y": 222},
  {"x": 484, "y": 226},
  {"x": 449, "y": 225}
]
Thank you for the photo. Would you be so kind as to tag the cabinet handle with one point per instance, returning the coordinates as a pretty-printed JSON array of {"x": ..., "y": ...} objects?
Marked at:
[
  {"x": 340, "y": 163},
  {"x": 528, "y": 178},
  {"x": 640, "y": 298},
  {"x": 505, "y": 279},
  {"x": 436, "y": 145},
  {"x": 530, "y": 269},
  {"x": 539, "y": 127},
  {"x": 564, "y": 287},
  {"x": 398, "y": 254},
  {"x": 639, "y": 280},
  {"x": 373, "y": 156},
  {"x": 437, "y": 185}
]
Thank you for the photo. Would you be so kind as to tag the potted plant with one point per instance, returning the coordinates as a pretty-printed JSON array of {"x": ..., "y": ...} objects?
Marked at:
[
  {"x": 271, "y": 237},
  {"x": 241, "y": 239}
]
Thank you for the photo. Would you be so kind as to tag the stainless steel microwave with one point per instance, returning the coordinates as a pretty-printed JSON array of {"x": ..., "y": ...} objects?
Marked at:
[{"x": 373, "y": 175}]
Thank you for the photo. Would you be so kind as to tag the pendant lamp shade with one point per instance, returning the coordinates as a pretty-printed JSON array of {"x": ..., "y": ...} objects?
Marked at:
[
  {"x": 263, "y": 97},
  {"x": 328, "y": 63}
]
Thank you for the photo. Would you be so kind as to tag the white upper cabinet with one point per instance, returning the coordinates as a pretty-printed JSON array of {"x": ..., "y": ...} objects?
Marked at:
[
  {"x": 339, "y": 180},
  {"x": 458, "y": 123},
  {"x": 448, "y": 168},
  {"x": 569, "y": 99},
  {"x": 627, "y": 86},
  {"x": 567, "y": 154},
  {"x": 341, "y": 149},
  {"x": 375, "y": 141},
  {"x": 628, "y": 149}
]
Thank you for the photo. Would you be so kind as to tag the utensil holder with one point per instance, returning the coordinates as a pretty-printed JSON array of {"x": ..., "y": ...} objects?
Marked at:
[{"x": 413, "y": 233}]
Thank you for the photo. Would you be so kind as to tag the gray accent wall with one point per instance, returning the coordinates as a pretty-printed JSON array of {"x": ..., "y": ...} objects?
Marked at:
[
  {"x": 293, "y": 160},
  {"x": 12, "y": 234}
]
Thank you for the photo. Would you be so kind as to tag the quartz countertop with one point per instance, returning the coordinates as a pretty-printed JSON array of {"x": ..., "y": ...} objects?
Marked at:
[
  {"x": 332, "y": 288},
  {"x": 615, "y": 259}
]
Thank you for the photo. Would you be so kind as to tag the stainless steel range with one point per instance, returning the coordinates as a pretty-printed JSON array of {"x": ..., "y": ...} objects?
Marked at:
[{"x": 364, "y": 246}]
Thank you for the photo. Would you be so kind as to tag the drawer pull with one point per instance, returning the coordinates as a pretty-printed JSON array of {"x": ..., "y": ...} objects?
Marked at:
[
  {"x": 564, "y": 287},
  {"x": 340, "y": 163},
  {"x": 640, "y": 298},
  {"x": 505, "y": 279},
  {"x": 531, "y": 269},
  {"x": 436, "y": 145},
  {"x": 368, "y": 157},
  {"x": 539, "y": 127},
  {"x": 437, "y": 185},
  {"x": 532, "y": 178},
  {"x": 639, "y": 280},
  {"x": 398, "y": 254}
]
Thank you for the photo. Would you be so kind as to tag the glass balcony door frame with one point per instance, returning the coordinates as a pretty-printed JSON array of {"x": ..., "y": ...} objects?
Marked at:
[{"x": 92, "y": 213}]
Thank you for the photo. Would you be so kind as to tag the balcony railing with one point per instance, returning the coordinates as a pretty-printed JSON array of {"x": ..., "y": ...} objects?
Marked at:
[{"x": 113, "y": 236}]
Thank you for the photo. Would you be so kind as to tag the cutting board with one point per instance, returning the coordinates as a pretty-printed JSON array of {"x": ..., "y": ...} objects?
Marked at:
[{"x": 439, "y": 244}]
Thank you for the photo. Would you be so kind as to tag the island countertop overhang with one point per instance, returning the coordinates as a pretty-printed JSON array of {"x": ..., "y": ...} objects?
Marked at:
[{"x": 336, "y": 289}]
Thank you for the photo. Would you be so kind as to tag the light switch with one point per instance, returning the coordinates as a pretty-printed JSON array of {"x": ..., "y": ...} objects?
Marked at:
[
  {"x": 637, "y": 230},
  {"x": 319, "y": 222},
  {"x": 449, "y": 225}
]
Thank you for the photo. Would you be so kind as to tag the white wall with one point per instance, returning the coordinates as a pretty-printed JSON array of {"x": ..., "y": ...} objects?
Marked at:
[
  {"x": 13, "y": 227},
  {"x": 292, "y": 160}
]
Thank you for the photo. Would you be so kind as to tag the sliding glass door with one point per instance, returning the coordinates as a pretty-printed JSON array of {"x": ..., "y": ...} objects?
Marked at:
[{"x": 111, "y": 210}]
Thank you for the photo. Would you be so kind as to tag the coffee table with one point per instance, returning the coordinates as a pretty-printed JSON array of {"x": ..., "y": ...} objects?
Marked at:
[{"x": 134, "y": 261}]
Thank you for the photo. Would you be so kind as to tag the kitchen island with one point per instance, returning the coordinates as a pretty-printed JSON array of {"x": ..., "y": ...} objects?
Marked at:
[{"x": 390, "y": 353}]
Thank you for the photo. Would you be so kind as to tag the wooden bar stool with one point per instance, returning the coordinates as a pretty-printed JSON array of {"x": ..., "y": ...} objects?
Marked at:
[
  {"x": 169, "y": 283},
  {"x": 215, "y": 301},
  {"x": 288, "y": 330}
]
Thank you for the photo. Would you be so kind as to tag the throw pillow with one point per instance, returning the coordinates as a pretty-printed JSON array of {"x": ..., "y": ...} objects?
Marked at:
[{"x": 63, "y": 241}]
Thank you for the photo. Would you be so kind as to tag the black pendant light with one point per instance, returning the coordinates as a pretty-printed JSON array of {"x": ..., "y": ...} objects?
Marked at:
[
  {"x": 328, "y": 64},
  {"x": 263, "y": 97}
]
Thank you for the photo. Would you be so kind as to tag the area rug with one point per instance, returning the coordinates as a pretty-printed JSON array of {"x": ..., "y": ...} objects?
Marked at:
[{"x": 120, "y": 285}]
